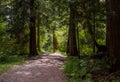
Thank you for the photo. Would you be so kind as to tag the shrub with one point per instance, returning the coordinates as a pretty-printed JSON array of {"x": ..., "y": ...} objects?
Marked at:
[{"x": 86, "y": 69}]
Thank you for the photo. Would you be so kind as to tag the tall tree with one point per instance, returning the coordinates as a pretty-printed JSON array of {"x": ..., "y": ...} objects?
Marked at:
[
  {"x": 32, "y": 27},
  {"x": 72, "y": 44},
  {"x": 17, "y": 20},
  {"x": 54, "y": 41},
  {"x": 38, "y": 31},
  {"x": 113, "y": 32}
]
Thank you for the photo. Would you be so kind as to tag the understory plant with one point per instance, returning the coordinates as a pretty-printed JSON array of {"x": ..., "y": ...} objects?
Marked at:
[{"x": 87, "y": 69}]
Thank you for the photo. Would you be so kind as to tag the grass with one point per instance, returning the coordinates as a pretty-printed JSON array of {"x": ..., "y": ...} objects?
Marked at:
[{"x": 4, "y": 66}]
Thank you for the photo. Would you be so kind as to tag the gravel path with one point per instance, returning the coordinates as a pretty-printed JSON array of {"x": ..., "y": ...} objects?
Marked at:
[{"x": 45, "y": 68}]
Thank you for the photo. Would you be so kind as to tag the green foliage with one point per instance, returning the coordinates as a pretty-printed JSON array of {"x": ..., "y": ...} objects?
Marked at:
[
  {"x": 10, "y": 62},
  {"x": 51, "y": 14},
  {"x": 86, "y": 68},
  {"x": 77, "y": 70},
  {"x": 85, "y": 49},
  {"x": 9, "y": 56},
  {"x": 62, "y": 38}
]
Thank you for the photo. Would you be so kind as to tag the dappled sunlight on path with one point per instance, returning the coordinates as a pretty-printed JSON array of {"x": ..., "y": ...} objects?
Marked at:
[{"x": 45, "y": 68}]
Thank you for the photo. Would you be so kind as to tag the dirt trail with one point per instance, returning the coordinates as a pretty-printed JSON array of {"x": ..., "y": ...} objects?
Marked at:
[{"x": 45, "y": 68}]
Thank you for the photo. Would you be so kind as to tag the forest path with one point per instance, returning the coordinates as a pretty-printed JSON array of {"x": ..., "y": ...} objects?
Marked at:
[{"x": 44, "y": 68}]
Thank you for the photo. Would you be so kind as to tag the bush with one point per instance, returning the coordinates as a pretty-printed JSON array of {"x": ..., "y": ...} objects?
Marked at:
[
  {"x": 9, "y": 57},
  {"x": 87, "y": 69},
  {"x": 77, "y": 70}
]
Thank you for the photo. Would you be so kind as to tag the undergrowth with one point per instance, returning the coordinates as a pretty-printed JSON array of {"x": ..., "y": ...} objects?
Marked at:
[
  {"x": 89, "y": 70},
  {"x": 9, "y": 60}
]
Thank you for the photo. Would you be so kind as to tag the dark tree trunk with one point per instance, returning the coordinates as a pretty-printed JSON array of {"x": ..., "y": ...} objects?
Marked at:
[
  {"x": 113, "y": 32},
  {"x": 38, "y": 42},
  {"x": 32, "y": 27},
  {"x": 54, "y": 41},
  {"x": 72, "y": 45},
  {"x": 78, "y": 40},
  {"x": 38, "y": 34},
  {"x": 94, "y": 26}
]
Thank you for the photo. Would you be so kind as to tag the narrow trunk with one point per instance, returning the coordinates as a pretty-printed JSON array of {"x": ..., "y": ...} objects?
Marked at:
[
  {"x": 38, "y": 34},
  {"x": 94, "y": 26},
  {"x": 54, "y": 41},
  {"x": 38, "y": 42},
  {"x": 33, "y": 50},
  {"x": 78, "y": 40}
]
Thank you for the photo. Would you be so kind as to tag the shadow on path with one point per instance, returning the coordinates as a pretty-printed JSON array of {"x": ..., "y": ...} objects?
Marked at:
[{"x": 45, "y": 68}]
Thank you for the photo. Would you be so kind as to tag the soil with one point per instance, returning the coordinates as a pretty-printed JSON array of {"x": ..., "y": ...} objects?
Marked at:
[{"x": 44, "y": 68}]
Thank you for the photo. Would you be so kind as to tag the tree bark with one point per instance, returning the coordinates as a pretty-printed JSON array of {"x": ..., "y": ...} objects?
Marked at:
[
  {"x": 113, "y": 32},
  {"x": 38, "y": 33},
  {"x": 72, "y": 44},
  {"x": 78, "y": 40},
  {"x": 54, "y": 41},
  {"x": 32, "y": 27},
  {"x": 94, "y": 26}
]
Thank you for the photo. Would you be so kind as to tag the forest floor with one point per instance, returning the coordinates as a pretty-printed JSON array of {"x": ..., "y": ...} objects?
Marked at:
[{"x": 43, "y": 68}]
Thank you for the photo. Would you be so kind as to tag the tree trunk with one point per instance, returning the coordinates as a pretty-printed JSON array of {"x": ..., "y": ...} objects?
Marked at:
[
  {"x": 72, "y": 45},
  {"x": 54, "y": 41},
  {"x": 78, "y": 39},
  {"x": 94, "y": 26},
  {"x": 38, "y": 34},
  {"x": 33, "y": 50},
  {"x": 38, "y": 42},
  {"x": 113, "y": 32}
]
